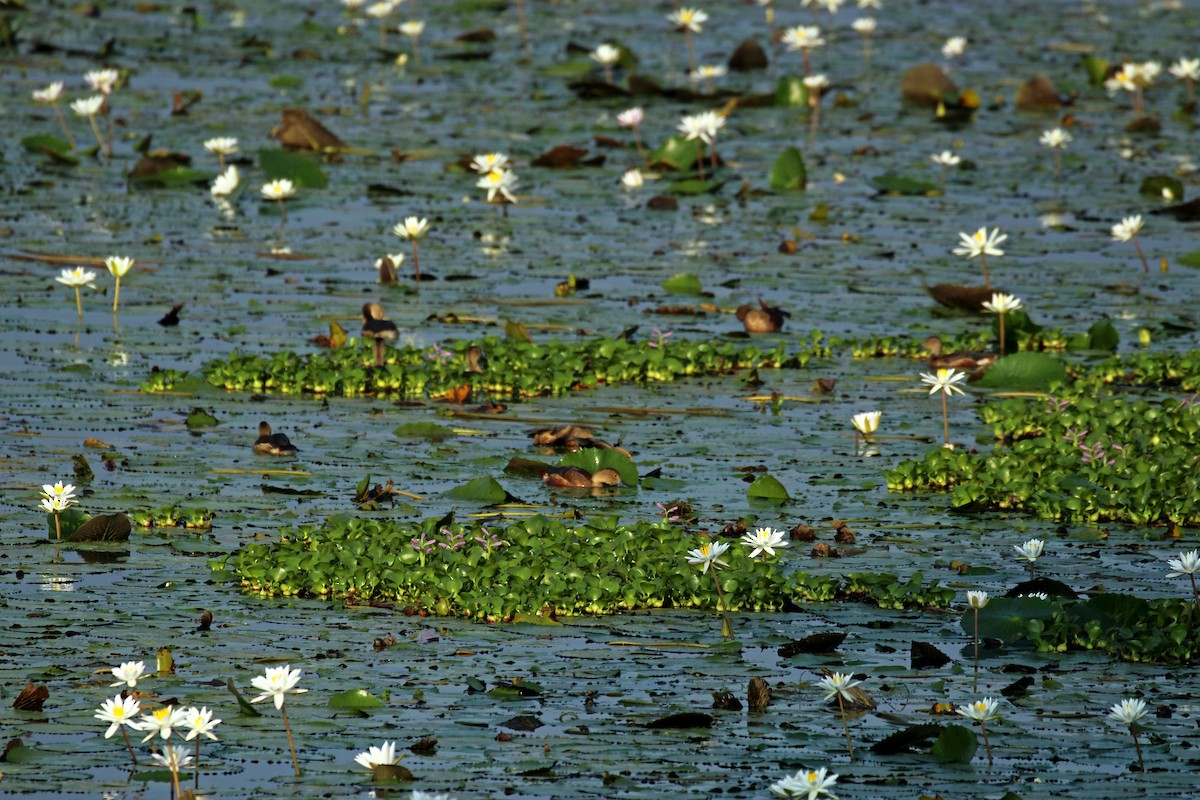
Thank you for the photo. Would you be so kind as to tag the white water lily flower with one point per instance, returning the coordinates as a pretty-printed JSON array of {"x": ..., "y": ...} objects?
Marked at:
[
  {"x": 945, "y": 381},
  {"x": 708, "y": 554},
  {"x": 977, "y": 600},
  {"x": 499, "y": 182},
  {"x": 118, "y": 711},
  {"x": 1187, "y": 564},
  {"x": 1031, "y": 550},
  {"x": 118, "y": 266},
  {"x": 102, "y": 80},
  {"x": 1186, "y": 69},
  {"x": 199, "y": 722},
  {"x": 1002, "y": 303},
  {"x": 174, "y": 757},
  {"x": 984, "y": 710},
  {"x": 954, "y": 47},
  {"x": 221, "y": 145},
  {"x": 709, "y": 73},
  {"x": 632, "y": 179},
  {"x": 764, "y": 540},
  {"x": 1128, "y": 711},
  {"x": 690, "y": 19},
  {"x": 809, "y": 784},
  {"x": 838, "y": 684},
  {"x": 412, "y": 28},
  {"x": 802, "y": 37},
  {"x": 50, "y": 94},
  {"x": 275, "y": 683},
  {"x": 278, "y": 189},
  {"x": 981, "y": 242},
  {"x": 226, "y": 182},
  {"x": 1127, "y": 228},
  {"x": 377, "y": 756},
  {"x": 945, "y": 159},
  {"x": 161, "y": 722},
  {"x": 864, "y": 25},
  {"x": 88, "y": 106},
  {"x": 129, "y": 673},
  {"x": 412, "y": 228},
  {"x": 606, "y": 54},
  {"x": 489, "y": 162},
  {"x": 1056, "y": 138},
  {"x": 867, "y": 422}
]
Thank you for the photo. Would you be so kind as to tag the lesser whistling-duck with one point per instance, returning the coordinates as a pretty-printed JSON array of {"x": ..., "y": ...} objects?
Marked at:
[
  {"x": 764, "y": 319},
  {"x": 969, "y": 360},
  {"x": 378, "y": 329},
  {"x": 579, "y": 478},
  {"x": 272, "y": 444}
]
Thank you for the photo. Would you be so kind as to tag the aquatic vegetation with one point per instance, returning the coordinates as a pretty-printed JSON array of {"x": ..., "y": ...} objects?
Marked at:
[
  {"x": 545, "y": 567},
  {"x": 982, "y": 711},
  {"x": 1128, "y": 712},
  {"x": 275, "y": 684},
  {"x": 981, "y": 244},
  {"x": 1126, "y": 231},
  {"x": 838, "y": 685},
  {"x": 945, "y": 382}
]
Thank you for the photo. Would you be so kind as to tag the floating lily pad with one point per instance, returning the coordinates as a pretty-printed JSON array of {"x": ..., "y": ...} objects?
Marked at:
[
  {"x": 788, "y": 173},
  {"x": 355, "y": 700},
  {"x": 683, "y": 283},
  {"x": 767, "y": 487},
  {"x": 299, "y": 169},
  {"x": 484, "y": 489},
  {"x": 1025, "y": 370},
  {"x": 595, "y": 458}
]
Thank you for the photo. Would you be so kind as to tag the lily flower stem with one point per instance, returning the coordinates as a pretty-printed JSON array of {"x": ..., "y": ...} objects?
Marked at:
[
  {"x": 712, "y": 156},
  {"x": 58, "y": 532},
  {"x": 522, "y": 27},
  {"x": 196, "y": 783},
  {"x": 1141, "y": 254},
  {"x": 96, "y": 131},
  {"x": 1002, "y": 334},
  {"x": 416, "y": 265},
  {"x": 608, "y": 74},
  {"x": 116, "y": 295},
  {"x": 943, "y": 178},
  {"x": 63, "y": 124},
  {"x": 845, "y": 726},
  {"x": 1195, "y": 592},
  {"x": 79, "y": 305},
  {"x": 987, "y": 279},
  {"x": 291, "y": 745},
  {"x": 382, "y": 33},
  {"x": 282, "y": 212},
  {"x": 946, "y": 428},
  {"x": 987, "y": 745},
  {"x": 700, "y": 159},
  {"x": 976, "y": 684},
  {"x": 691, "y": 51},
  {"x": 129, "y": 744},
  {"x": 221, "y": 161},
  {"x": 108, "y": 128},
  {"x": 1030, "y": 570},
  {"x": 724, "y": 608},
  {"x": 1137, "y": 746},
  {"x": 637, "y": 141},
  {"x": 804, "y": 57},
  {"x": 1057, "y": 169}
]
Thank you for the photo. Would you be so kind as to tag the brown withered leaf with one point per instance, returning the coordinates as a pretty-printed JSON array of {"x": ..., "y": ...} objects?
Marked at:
[
  {"x": 477, "y": 35},
  {"x": 964, "y": 298},
  {"x": 560, "y": 157},
  {"x": 182, "y": 102},
  {"x": 156, "y": 162},
  {"x": 298, "y": 130},
  {"x": 688, "y": 719},
  {"x": 725, "y": 701},
  {"x": 816, "y": 643},
  {"x": 205, "y": 620},
  {"x": 843, "y": 533},
  {"x": 926, "y": 85},
  {"x": 104, "y": 528},
  {"x": 823, "y": 550},
  {"x": 748, "y": 56},
  {"x": 802, "y": 533},
  {"x": 97, "y": 443},
  {"x": 925, "y": 656},
  {"x": 1038, "y": 94},
  {"x": 662, "y": 202},
  {"x": 31, "y": 697},
  {"x": 758, "y": 695}
]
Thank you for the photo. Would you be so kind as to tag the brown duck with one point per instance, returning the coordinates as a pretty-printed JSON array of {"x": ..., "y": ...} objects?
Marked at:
[
  {"x": 273, "y": 444},
  {"x": 378, "y": 329},
  {"x": 572, "y": 437},
  {"x": 968, "y": 360},
  {"x": 764, "y": 319},
  {"x": 579, "y": 478}
]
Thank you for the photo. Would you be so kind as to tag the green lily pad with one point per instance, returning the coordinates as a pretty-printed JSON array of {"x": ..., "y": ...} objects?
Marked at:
[
  {"x": 50, "y": 146},
  {"x": 355, "y": 700},
  {"x": 595, "y": 458},
  {"x": 484, "y": 489},
  {"x": 791, "y": 91},
  {"x": 683, "y": 283},
  {"x": 955, "y": 745},
  {"x": 198, "y": 418},
  {"x": 676, "y": 152},
  {"x": 788, "y": 173},
  {"x": 300, "y": 170},
  {"x": 1153, "y": 186},
  {"x": 1028, "y": 371},
  {"x": 423, "y": 430},
  {"x": 768, "y": 487},
  {"x": 1007, "y": 618},
  {"x": 889, "y": 183}
]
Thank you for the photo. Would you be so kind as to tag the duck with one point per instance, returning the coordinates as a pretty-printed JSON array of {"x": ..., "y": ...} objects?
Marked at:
[
  {"x": 273, "y": 444},
  {"x": 579, "y": 478},
  {"x": 378, "y": 329},
  {"x": 573, "y": 437},
  {"x": 764, "y": 319},
  {"x": 970, "y": 360}
]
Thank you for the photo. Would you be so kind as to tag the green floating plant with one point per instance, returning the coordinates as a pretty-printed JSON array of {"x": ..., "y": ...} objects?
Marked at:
[
  {"x": 535, "y": 567},
  {"x": 514, "y": 368}
]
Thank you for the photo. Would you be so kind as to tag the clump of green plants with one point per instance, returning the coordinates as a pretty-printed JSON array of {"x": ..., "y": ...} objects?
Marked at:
[
  {"x": 537, "y": 566},
  {"x": 172, "y": 516},
  {"x": 513, "y": 369}
]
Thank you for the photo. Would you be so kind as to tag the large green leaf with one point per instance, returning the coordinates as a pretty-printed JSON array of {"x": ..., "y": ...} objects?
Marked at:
[
  {"x": 300, "y": 170},
  {"x": 71, "y": 520},
  {"x": 791, "y": 91},
  {"x": 1153, "y": 185},
  {"x": 1190, "y": 260},
  {"x": 423, "y": 430},
  {"x": 955, "y": 745},
  {"x": 683, "y": 283},
  {"x": 594, "y": 458},
  {"x": 1007, "y": 618},
  {"x": 1027, "y": 371},
  {"x": 898, "y": 184},
  {"x": 484, "y": 489},
  {"x": 788, "y": 172},
  {"x": 675, "y": 152},
  {"x": 355, "y": 700},
  {"x": 768, "y": 487},
  {"x": 1096, "y": 69},
  {"x": 51, "y": 146}
]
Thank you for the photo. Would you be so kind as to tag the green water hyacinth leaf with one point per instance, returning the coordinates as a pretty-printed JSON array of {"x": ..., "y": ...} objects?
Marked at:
[
  {"x": 484, "y": 489},
  {"x": 1026, "y": 371},
  {"x": 355, "y": 700},
  {"x": 676, "y": 152},
  {"x": 1154, "y": 186},
  {"x": 788, "y": 173},
  {"x": 767, "y": 487},
  {"x": 595, "y": 458},
  {"x": 1103, "y": 336},
  {"x": 955, "y": 745},
  {"x": 790, "y": 91},
  {"x": 889, "y": 183},
  {"x": 683, "y": 283},
  {"x": 300, "y": 170}
]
